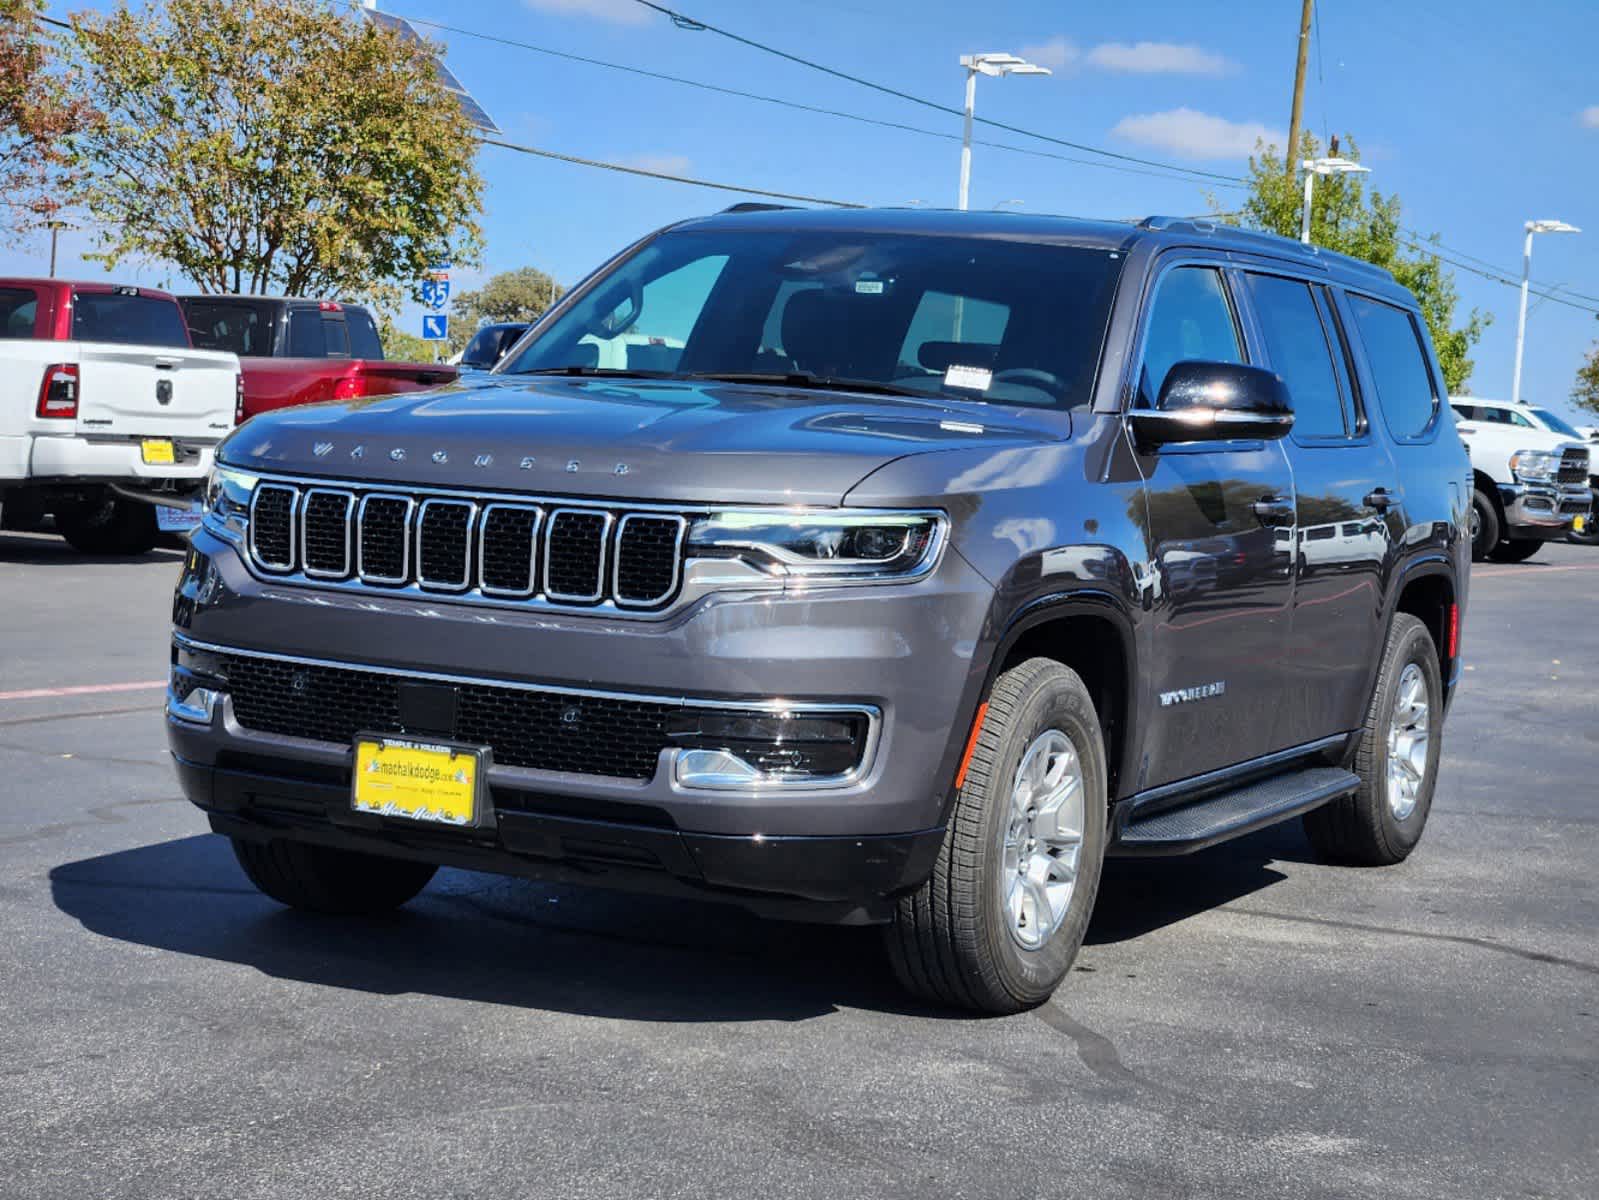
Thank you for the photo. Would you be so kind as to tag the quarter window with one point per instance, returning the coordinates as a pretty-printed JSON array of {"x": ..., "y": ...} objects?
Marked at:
[
  {"x": 1398, "y": 365},
  {"x": 1190, "y": 320},
  {"x": 1297, "y": 343}
]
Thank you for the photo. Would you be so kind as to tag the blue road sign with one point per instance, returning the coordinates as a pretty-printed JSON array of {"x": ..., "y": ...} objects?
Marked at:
[
  {"x": 436, "y": 294},
  {"x": 435, "y": 327}
]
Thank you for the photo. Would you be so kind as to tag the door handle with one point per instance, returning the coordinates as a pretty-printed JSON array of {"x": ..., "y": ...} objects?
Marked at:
[
  {"x": 1380, "y": 498},
  {"x": 1273, "y": 508}
]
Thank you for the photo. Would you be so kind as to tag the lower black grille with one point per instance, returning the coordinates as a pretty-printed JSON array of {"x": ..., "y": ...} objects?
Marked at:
[
  {"x": 550, "y": 731},
  {"x": 327, "y": 533},
  {"x": 574, "y": 566}
]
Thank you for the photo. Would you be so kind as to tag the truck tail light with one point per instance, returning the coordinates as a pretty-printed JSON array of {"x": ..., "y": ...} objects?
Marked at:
[
  {"x": 1454, "y": 632},
  {"x": 329, "y": 306},
  {"x": 238, "y": 398},
  {"x": 58, "y": 394},
  {"x": 347, "y": 387}
]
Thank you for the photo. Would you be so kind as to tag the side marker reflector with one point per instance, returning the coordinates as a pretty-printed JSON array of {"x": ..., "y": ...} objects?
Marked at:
[{"x": 971, "y": 745}]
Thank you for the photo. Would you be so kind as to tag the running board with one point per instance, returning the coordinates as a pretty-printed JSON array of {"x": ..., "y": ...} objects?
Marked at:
[{"x": 1232, "y": 814}]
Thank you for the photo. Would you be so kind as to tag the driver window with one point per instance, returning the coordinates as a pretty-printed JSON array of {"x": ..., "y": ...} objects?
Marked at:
[
  {"x": 1190, "y": 319},
  {"x": 651, "y": 329},
  {"x": 1517, "y": 419}
]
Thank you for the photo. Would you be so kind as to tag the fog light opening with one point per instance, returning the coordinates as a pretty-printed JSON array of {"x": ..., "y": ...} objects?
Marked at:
[{"x": 729, "y": 749}]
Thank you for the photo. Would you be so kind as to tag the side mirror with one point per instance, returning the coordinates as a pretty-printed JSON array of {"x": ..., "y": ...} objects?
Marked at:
[{"x": 1215, "y": 402}]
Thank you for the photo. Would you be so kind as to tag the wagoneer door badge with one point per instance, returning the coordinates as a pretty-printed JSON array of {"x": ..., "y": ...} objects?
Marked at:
[{"x": 1200, "y": 691}]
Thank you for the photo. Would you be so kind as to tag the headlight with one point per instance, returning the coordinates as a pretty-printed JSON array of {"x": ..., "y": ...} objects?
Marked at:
[
  {"x": 1535, "y": 466},
  {"x": 227, "y": 501},
  {"x": 826, "y": 543}
]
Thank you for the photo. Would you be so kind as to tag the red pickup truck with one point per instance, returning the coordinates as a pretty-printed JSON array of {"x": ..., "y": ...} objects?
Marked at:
[{"x": 296, "y": 351}]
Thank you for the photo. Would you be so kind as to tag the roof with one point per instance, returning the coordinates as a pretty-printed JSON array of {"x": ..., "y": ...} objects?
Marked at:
[
  {"x": 267, "y": 299},
  {"x": 83, "y": 285},
  {"x": 1045, "y": 229}
]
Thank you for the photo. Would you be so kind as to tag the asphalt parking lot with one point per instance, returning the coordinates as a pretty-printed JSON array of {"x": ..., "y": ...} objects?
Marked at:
[{"x": 1243, "y": 1023}]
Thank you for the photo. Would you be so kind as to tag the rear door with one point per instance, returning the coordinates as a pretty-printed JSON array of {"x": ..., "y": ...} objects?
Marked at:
[
  {"x": 138, "y": 375},
  {"x": 1220, "y": 528}
]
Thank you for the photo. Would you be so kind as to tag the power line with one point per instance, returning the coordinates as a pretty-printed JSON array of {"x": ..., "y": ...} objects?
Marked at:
[
  {"x": 781, "y": 102},
  {"x": 686, "y": 22},
  {"x": 1432, "y": 251}
]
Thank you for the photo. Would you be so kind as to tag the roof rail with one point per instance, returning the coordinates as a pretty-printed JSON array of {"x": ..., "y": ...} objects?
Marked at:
[
  {"x": 1268, "y": 242},
  {"x": 747, "y": 206}
]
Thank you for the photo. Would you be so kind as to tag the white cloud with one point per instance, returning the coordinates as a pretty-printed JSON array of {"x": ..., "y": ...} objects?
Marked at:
[
  {"x": 667, "y": 164},
  {"x": 1197, "y": 135},
  {"x": 1590, "y": 116},
  {"x": 1158, "y": 58},
  {"x": 619, "y": 12},
  {"x": 1056, "y": 54}
]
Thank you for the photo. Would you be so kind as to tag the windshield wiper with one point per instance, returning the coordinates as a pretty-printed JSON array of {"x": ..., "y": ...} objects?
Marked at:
[
  {"x": 603, "y": 372},
  {"x": 800, "y": 379}
]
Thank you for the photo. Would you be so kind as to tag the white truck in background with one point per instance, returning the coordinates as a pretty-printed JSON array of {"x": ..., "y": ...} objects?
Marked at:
[
  {"x": 108, "y": 415},
  {"x": 1534, "y": 481}
]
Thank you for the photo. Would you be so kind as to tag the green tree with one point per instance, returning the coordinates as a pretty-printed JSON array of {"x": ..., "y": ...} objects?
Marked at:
[
  {"x": 38, "y": 116},
  {"x": 1347, "y": 216},
  {"x": 273, "y": 146},
  {"x": 406, "y": 347},
  {"x": 519, "y": 295},
  {"x": 1585, "y": 393}
]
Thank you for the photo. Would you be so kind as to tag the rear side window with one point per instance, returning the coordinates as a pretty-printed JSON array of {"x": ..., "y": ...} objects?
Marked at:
[
  {"x": 1300, "y": 352},
  {"x": 311, "y": 335},
  {"x": 128, "y": 319},
  {"x": 1398, "y": 365},
  {"x": 364, "y": 340},
  {"x": 243, "y": 328},
  {"x": 1190, "y": 320},
  {"x": 19, "y": 307}
]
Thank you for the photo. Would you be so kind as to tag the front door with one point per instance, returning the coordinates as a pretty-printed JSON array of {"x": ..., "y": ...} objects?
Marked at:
[{"x": 1220, "y": 527}]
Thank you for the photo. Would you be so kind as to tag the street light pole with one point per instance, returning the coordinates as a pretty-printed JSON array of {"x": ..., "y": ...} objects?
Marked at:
[
  {"x": 1531, "y": 227},
  {"x": 1323, "y": 166},
  {"x": 984, "y": 64}
]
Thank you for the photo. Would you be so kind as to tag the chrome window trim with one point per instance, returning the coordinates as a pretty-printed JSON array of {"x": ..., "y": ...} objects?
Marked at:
[
  {"x": 872, "y": 713},
  {"x": 677, "y": 559},
  {"x": 532, "y": 551},
  {"x": 306, "y": 569},
  {"x": 605, "y": 536},
  {"x": 361, "y": 573},
  {"x": 466, "y": 563},
  {"x": 294, "y": 507}
]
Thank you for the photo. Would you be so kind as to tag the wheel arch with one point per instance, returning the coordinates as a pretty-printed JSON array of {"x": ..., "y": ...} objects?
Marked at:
[{"x": 1426, "y": 590}]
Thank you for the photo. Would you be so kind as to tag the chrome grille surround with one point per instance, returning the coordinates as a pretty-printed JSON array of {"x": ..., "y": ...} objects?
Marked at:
[
  {"x": 551, "y": 526},
  {"x": 617, "y": 586},
  {"x": 535, "y": 517},
  {"x": 308, "y": 532},
  {"x": 258, "y": 524},
  {"x": 370, "y": 501},
  {"x": 450, "y": 583}
]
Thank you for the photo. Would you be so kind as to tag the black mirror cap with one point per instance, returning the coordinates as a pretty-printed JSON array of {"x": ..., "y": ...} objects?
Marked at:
[{"x": 1212, "y": 401}]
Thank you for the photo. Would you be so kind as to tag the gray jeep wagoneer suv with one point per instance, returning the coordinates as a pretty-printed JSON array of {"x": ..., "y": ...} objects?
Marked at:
[{"x": 878, "y": 566}]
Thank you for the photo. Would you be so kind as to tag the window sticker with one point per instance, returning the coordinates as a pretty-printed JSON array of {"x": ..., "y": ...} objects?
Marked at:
[
  {"x": 976, "y": 379},
  {"x": 869, "y": 287}
]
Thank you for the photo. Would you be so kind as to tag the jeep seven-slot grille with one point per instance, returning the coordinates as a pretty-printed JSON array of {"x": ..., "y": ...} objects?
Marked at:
[
  {"x": 562, "y": 554},
  {"x": 1574, "y": 465},
  {"x": 548, "y": 731}
]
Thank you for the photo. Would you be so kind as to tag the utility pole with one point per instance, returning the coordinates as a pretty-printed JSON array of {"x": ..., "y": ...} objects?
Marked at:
[
  {"x": 998, "y": 65},
  {"x": 1531, "y": 228},
  {"x": 1291, "y": 154}
]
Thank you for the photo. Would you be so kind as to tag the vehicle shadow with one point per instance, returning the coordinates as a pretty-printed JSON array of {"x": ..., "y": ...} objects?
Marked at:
[
  {"x": 531, "y": 945},
  {"x": 43, "y": 549}
]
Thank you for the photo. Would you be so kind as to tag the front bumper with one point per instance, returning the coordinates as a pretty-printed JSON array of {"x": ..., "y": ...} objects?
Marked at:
[{"x": 1543, "y": 512}]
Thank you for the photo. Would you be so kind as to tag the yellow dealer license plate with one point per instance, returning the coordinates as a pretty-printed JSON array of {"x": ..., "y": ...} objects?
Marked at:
[
  {"x": 421, "y": 781},
  {"x": 1579, "y": 524},
  {"x": 158, "y": 452}
]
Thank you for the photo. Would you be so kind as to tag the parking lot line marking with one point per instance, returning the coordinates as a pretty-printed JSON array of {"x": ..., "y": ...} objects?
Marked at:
[
  {"x": 1539, "y": 572},
  {"x": 86, "y": 689}
]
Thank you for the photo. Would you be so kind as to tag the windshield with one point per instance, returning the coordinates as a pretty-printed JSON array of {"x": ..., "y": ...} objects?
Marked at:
[
  {"x": 1554, "y": 423},
  {"x": 968, "y": 318}
]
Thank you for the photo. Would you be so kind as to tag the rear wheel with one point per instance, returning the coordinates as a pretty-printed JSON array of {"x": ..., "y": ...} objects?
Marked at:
[
  {"x": 116, "y": 526},
  {"x": 999, "y": 922},
  {"x": 1484, "y": 525},
  {"x": 1514, "y": 552},
  {"x": 322, "y": 879},
  {"x": 1397, "y": 760}
]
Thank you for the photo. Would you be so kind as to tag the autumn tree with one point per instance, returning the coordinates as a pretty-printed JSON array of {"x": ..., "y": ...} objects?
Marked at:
[
  {"x": 38, "y": 116},
  {"x": 273, "y": 146},
  {"x": 1348, "y": 216},
  {"x": 1585, "y": 392},
  {"x": 520, "y": 295}
]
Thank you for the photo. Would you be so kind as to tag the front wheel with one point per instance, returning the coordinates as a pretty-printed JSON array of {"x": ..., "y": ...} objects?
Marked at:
[
  {"x": 998, "y": 924},
  {"x": 325, "y": 880}
]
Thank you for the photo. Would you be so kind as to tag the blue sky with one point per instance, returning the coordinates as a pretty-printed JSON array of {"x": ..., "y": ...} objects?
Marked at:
[{"x": 1477, "y": 115}]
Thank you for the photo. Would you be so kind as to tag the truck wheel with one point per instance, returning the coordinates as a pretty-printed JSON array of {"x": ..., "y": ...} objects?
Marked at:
[
  {"x": 1484, "y": 525},
  {"x": 117, "y": 526},
  {"x": 1508, "y": 551},
  {"x": 1397, "y": 760},
  {"x": 998, "y": 923},
  {"x": 325, "y": 880}
]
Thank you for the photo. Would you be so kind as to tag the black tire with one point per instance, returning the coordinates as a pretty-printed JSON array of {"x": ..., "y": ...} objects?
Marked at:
[
  {"x": 1362, "y": 829},
  {"x": 325, "y": 880},
  {"x": 117, "y": 526},
  {"x": 1484, "y": 525},
  {"x": 1508, "y": 551},
  {"x": 950, "y": 941}
]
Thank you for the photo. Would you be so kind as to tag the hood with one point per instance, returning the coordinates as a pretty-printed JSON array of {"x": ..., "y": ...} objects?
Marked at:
[{"x": 628, "y": 439}]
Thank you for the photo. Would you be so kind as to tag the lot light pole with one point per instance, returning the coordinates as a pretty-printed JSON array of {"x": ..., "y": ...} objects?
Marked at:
[
  {"x": 1531, "y": 227},
  {"x": 1323, "y": 166},
  {"x": 998, "y": 65}
]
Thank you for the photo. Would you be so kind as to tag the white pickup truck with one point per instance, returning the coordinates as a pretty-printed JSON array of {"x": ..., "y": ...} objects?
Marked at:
[
  {"x": 1532, "y": 478},
  {"x": 108, "y": 415}
]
